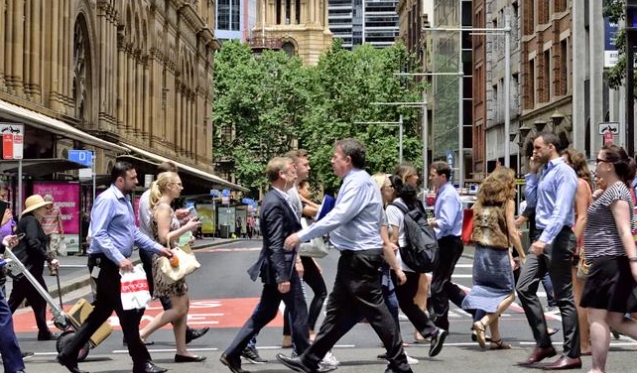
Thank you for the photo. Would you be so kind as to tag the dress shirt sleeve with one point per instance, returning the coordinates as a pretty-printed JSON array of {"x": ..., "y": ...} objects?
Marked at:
[
  {"x": 146, "y": 243},
  {"x": 350, "y": 204},
  {"x": 566, "y": 189},
  {"x": 530, "y": 191},
  {"x": 101, "y": 216}
]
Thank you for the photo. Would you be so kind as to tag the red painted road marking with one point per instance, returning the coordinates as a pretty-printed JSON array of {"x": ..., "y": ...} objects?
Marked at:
[
  {"x": 228, "y": 250},
  {"x": 215, "y": 313}
]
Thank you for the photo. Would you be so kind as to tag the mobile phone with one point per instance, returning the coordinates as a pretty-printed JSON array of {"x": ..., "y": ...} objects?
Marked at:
[{"x": 20, "y": 236}]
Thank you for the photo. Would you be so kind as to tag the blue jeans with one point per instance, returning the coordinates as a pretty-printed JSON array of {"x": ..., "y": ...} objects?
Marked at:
[{"x": 9, "y": 348}]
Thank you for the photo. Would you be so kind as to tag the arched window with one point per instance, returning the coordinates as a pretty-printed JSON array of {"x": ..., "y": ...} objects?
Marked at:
[{"x": 82, "y": 83}]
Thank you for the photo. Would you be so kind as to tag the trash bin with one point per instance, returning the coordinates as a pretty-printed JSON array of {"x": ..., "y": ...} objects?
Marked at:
[{"x": 224, "y": 231}]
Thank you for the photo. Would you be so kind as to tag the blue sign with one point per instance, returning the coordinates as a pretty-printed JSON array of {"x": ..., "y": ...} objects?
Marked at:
[
  {"x": 246, "y": 201},
  {"x": 611, "y": 55},
  {"x": 214, "y": 193},
  {"x": 225, "y": 193},
  {"x": 83, "y": 157}
]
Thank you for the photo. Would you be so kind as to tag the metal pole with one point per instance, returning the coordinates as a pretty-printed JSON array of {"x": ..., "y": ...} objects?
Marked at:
[
  {"x": 400, "y": 139},
  {"x": 507, "y": 90},
  {"x": 425, "y": 139},
  {"x": 460, "y": 124},
  {"x": 93, "y": 172},
  {"x": 630, "y": 95},
  {"x": 18, "y": 202}
]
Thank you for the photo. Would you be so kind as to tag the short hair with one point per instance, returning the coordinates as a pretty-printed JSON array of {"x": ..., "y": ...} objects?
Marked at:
[
  {"x": 3, "y": 185},
  {"x": 578, "y": 162},
  {"x": 296, "y": 154},
  {"x": 168, "y": 166},
  {"x": 441, "y": 168},
  {"x": 48, "y": 198},
  {"x": 353, "y": 149},
  {"x": 550, "y": 138},
  {"x": 276, "y": 165},
  {"x": 120, "y": 169},
  {"x": 404, "y": 170}
]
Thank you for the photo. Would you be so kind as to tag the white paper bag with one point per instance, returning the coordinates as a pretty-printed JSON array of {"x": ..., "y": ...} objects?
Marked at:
[{"x": 134, "y": 289}]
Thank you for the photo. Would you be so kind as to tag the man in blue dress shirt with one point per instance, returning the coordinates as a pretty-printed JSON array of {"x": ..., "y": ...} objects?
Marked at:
[
  {"x": 354, "y": 227},
  {"x": 113, "y": 234},
  {"x": 553, "y": 196},
  {"x": 447, "y": 224}
]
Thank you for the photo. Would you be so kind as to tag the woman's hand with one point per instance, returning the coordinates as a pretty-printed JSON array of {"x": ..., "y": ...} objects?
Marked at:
[
  {"x": 8, "y": 215},
  {"x": 193, "y": 223},
  {"x": 400, "y": 275}
]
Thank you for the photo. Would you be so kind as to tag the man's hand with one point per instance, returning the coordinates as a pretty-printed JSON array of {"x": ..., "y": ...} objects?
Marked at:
[
  {"x": 126, "y": 265},
  {"x": 284, "y": 287},
  {"x": 432, "y": 222},
  {"x": 166, "y": 252},
  {"x": 291, "y": 242},
  {"x": 400, "y": 275},
  {"x": 537, "y": 248},
  {"x": 534, "y": 166},
  {"x": 182, "y": 213}
]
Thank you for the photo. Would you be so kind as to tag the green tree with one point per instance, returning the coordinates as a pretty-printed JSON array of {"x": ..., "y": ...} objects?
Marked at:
[{"x": 614, "y": 10}]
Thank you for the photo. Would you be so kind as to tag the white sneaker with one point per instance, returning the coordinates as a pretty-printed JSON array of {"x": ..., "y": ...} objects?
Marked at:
[
  {"x": 411, "y": 360},
  {"x": 330, "y": 360}
]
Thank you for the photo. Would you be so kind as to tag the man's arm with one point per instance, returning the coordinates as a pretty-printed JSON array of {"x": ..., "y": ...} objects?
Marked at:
[
  {"x": 101, "y": 216},
  {"x": 566, "y": 190},
  {"x": 448, "y": 212},
  {"x": 59, "y": 222},
  {"x": 145, "y": 243},
  {"x": 530, "y": 191},
  {"x": 274, "y": 223}
]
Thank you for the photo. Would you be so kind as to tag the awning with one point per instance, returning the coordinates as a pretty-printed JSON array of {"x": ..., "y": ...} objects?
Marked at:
[
  {"x": 40, "y": 167},
  {"x": 215, "y": 180},
  {"x": 19, "y": 114}
]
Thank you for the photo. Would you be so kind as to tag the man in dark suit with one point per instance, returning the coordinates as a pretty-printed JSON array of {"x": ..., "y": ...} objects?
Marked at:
[{"x": 275, "y": 266}]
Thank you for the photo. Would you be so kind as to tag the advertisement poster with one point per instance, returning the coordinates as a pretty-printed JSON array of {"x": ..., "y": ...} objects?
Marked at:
[
  {"x": 66, "y": 197},
  {"x": 206, "y": 213}
]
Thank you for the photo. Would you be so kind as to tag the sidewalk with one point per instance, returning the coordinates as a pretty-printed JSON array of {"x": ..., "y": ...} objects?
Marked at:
[{"x": 74, "y": 275}]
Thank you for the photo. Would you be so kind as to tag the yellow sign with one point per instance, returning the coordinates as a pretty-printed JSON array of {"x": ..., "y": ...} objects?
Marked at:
[
  {"x": 520, "y": 182},
  {"x": 206, "y": 214}
]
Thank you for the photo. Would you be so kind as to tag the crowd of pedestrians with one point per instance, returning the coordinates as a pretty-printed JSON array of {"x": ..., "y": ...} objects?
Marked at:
[{"x": 582, "y": 248}]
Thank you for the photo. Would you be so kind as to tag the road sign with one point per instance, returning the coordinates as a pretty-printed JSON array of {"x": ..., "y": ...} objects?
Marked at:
[
  {"x": 225, "y": 193},
  {"x": 12, "y": 140},
  {"x": 608, "y": 138},
  {"x": 83, "y": 157},
  {"x": 603, "y": 127},
  {"x": 214, "y": 193}
]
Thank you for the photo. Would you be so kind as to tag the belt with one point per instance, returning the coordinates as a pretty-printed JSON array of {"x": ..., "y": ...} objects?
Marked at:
[{"x": 362, "y": 252}]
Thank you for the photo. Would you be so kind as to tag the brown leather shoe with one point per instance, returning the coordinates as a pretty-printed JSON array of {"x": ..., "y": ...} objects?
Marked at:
[
  {"x": 564, "y": 362},
  {"x": 538, "y": 354}
]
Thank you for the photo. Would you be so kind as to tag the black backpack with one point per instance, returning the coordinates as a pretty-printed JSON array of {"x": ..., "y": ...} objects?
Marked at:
[{"x": 421, "y": 252}]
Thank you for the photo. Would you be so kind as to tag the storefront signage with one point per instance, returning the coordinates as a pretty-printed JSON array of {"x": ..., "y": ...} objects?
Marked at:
[{"x": 12, "y": 140}]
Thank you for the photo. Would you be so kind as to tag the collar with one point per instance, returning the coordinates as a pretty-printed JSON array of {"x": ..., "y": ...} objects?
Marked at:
[
  {"x": 281, "y": 193},
  {"x": 554, "y": 163},
  {"x": 118, "y": 193}
]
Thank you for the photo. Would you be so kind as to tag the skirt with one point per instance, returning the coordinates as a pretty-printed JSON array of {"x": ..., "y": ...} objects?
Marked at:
[
  {"x": 492, "y": 280},
  {"x": 610, "y": 286},
  {"x": 163, "y": 288}
]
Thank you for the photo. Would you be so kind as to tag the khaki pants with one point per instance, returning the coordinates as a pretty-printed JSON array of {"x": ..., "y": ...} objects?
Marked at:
[{"x": 57, "y": 245}]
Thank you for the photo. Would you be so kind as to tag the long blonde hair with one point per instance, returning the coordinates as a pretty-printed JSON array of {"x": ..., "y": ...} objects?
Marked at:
[
  {"x": 496, "y": 189},
  {"x": 159, "y": 186}
]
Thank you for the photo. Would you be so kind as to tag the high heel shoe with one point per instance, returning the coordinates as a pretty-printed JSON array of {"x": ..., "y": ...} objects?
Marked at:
[{"x": 188, "y": 359}]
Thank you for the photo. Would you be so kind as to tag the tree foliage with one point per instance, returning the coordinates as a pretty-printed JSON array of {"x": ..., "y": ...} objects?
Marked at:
[
  {"x": 272, "y": 100},
  {"x": 614, "y": 10}
]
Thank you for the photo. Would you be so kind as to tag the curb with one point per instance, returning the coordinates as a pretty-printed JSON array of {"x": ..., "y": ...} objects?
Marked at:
[{"x": 85, "y": 280}]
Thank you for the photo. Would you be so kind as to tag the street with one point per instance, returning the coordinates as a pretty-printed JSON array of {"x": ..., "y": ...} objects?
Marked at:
[{"x": 222, "y": 297}]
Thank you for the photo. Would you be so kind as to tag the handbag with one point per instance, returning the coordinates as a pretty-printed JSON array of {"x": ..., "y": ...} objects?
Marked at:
[
  {"x": 187, "y": 264},
  {"x": 582, "y": 266},
  {"x": 467, "y": 226},
  {"x": 316, "y": 248},
  {"x": 134, "y": 289}
]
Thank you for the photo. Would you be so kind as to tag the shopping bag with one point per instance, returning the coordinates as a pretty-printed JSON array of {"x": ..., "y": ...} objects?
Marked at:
[
  {"x": 316, "y": 248},
  {"x": 467, "y": 226},
  {"x": 134, "y": 289},
  {"x": 186, "y": 264}
]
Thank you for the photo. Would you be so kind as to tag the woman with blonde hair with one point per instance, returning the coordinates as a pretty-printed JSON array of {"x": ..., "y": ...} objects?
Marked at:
[
  {"x": 583, "y": 199},
  {"x": 166, "y": 231},
  {"x": 494, "y": 232}
]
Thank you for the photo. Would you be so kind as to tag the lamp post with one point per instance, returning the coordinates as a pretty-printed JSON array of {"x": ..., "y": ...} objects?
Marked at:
[{"x": 398, "y": 124}]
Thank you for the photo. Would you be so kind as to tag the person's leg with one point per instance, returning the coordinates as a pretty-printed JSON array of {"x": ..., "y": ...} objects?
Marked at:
[
  {"x": 38, "y": 304},
  {"x": 550, "y": 292},
  {"x": 9, "y": 347},
  {"x": 442, "y": 289},
  {"x": 582, "y": 315},
  {"x": 18, "y": 293},
  {"x": 163, "y": 318},
  {"x": 421, "y": 299},
  {"x": 313, "y": 278},
  {"x": 287, "y": 335},
  {"x": 532, "y": 272},
  {"x": 295, "y": 303},
  {"x": 600, "y": 338},
  {"x": 180, "y": 305},
  {"x": 405, "y": 294},
  {"x": 129, "y": 321}
]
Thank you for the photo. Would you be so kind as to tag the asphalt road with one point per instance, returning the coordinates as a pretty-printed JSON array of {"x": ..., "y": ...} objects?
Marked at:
[{"x": 222, "y": 297}]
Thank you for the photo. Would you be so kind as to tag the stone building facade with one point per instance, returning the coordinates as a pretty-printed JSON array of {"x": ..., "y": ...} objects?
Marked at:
[{"x": 122, "y": 78}]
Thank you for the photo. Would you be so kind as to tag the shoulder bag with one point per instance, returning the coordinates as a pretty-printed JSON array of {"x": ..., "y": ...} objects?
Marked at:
[
  {"x": 187, "y": 264},
  {"x": 316, "y": 248}
]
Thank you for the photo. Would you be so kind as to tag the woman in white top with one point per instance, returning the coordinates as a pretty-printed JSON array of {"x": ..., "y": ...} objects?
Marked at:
[{"x": 407, "y": 197}]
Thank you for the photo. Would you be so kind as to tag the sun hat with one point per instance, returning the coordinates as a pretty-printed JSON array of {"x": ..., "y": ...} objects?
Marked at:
[{"x": 33, "y": 203}]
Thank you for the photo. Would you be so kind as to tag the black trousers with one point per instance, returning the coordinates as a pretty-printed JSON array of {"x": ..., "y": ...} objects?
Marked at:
[
  {"x": 405, "y": 294},
  {"x": 22, "y": 289},
  {"x": 313, "y": 278},
  {"x": 108, "y": 299},
  {"x": 442, "y": 289},
  {"x": 357, "y": 294},
  {"x": 267, "y": 310},
  {"x": 556, "y": 259}
]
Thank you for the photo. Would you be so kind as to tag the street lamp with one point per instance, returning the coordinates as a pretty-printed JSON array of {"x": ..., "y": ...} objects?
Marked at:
[
  {"x": 539, "y": 125},
  {"x": 398, "y": 124}
]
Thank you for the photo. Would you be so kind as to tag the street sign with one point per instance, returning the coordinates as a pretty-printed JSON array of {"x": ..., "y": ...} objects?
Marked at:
[
  {"x": 225, "y": 193},
  {"x": 83, "y": 157},
  {"x": 608, "y": 138},
  {"x": 603, "y": 127},
  {"x": 12, "y": 140},
  {"x": 85, "y": 173},
  {"x": 214, "y": 193}
]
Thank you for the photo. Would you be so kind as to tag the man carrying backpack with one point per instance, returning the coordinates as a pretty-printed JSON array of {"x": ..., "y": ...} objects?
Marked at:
[{"x": 448, "y": 227}]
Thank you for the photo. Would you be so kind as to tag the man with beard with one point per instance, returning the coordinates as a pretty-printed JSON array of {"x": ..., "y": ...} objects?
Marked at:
[{"x": 113, "y": 234}]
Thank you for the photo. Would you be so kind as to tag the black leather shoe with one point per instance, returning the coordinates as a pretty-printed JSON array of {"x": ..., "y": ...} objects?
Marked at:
[
  {"x": 146, "y": 343},
  {"x": 149, "y": 367},
  {"x": 192, "y": 334},
  {"x": 47, "y": 336},
  {"x": 233, "y": 364},
  {"x": 71, "y": 365},
  {"x": 437, "y": 340},
  {"x": 538, "y": 354},
  {"x": 20, "y": 371},
  {"x": 564, "y": 362},
  {"x": 293, "y": 363},
  {"x": 188, "y": 359}
]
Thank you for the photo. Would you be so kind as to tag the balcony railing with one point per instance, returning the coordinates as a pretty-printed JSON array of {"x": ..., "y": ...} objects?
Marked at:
[{"x": 261, "y": 43}]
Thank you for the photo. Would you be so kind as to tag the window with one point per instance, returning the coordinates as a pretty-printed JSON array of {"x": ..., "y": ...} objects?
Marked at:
[
  {"x": 529, "y": 17},
  {"x": 546, "y": 77},
  {"x": 236, "y": 15},
  {"x": 563, "y": 81},
  {"x": 229, "y": 15},
  {"x": 530, "y": 86}
]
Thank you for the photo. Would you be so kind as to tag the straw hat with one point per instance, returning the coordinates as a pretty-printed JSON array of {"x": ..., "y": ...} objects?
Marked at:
[{"x": 33, "y": 203}]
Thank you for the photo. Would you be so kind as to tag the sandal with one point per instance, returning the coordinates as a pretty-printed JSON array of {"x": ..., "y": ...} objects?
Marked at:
[
  {"x": 499, "y": 345},
  {"x": 479, "y": 328}
]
